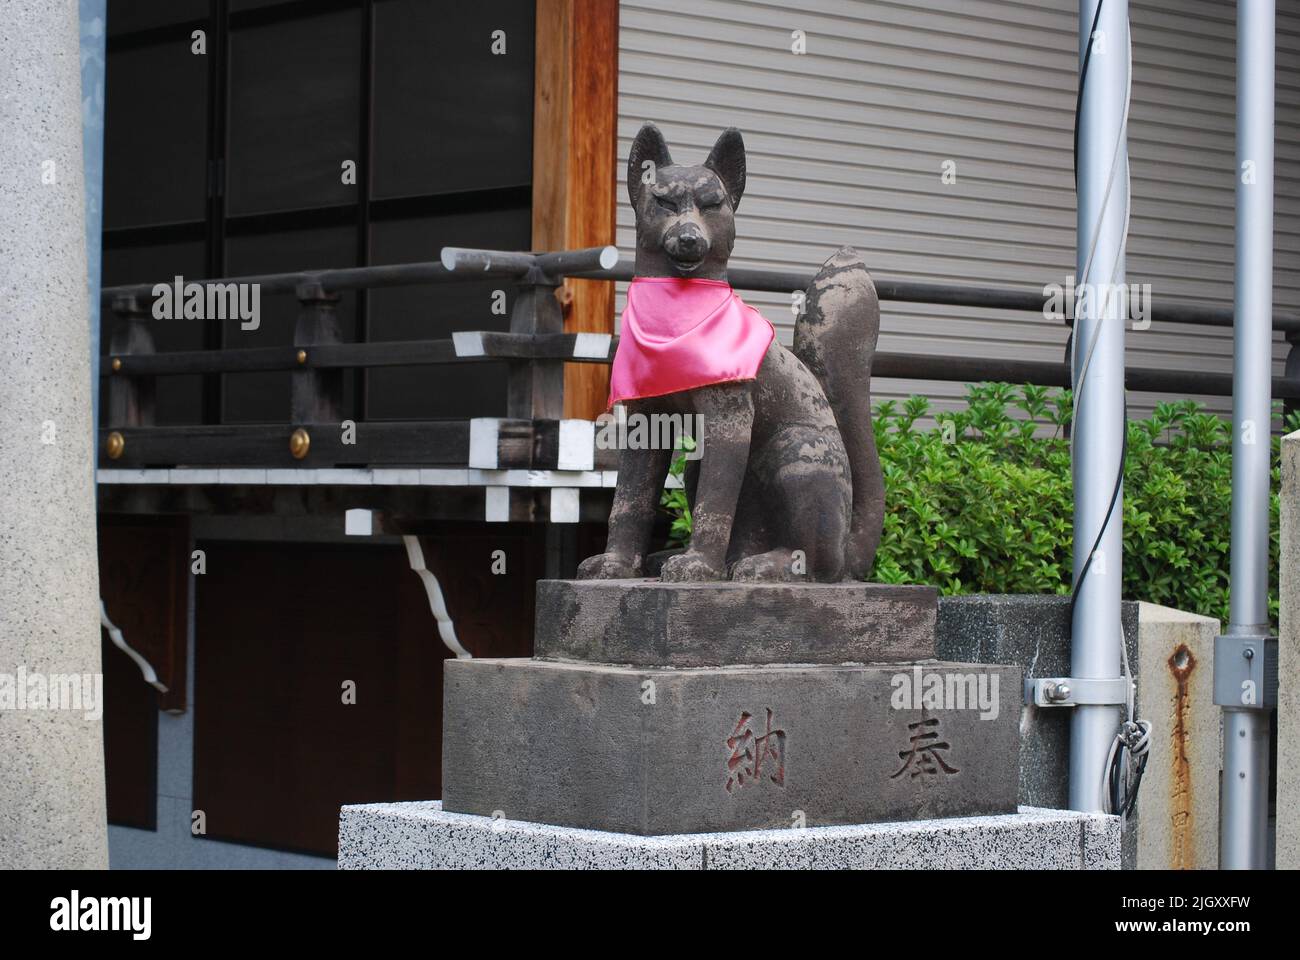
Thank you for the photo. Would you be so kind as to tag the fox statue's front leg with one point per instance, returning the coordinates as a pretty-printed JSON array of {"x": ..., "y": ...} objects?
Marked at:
[
  {"x": 631, "y": 520},
  {"x": 727, "y": 414}
]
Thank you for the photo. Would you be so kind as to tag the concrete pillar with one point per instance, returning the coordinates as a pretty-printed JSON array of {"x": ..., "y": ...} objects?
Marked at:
[
  {"x": 51, "y": 760},
  {"x": 1288, "y": 672},
  {"x": 1178, "y": 806}
]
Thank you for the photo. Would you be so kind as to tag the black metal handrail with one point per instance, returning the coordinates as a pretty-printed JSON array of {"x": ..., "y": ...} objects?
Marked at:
[
  {"x": 584, "y": 265},
  {"x": 535, "y": 349}
]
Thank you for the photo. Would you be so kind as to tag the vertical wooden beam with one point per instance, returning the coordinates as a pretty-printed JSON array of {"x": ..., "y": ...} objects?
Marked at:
[
  {"x": 316, "y": 396},
  {"x": 575, "y": 110},
  {"x": 535, "y": 387},
  {"x": 131, "y": 400}
]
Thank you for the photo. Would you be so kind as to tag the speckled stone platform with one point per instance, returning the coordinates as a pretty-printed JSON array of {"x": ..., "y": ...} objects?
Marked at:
[{"x": 420, "y": 836}]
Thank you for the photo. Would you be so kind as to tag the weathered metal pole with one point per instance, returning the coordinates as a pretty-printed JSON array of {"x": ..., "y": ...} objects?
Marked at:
[
  {"x": 1098, "y": 375},
  {"x": 1244, "y": 682}
]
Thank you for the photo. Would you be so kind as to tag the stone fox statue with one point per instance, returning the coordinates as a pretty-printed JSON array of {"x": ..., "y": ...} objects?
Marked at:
[{"x": 789, "y": 486}]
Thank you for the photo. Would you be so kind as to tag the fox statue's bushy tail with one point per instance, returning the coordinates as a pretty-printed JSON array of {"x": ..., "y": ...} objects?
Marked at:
[{"x": 835, "y": 336}]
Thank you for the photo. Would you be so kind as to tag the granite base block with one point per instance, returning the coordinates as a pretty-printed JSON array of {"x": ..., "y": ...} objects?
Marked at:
[
  {"x": 421, "y": 836},
  {"x": 659, "y": 751}
]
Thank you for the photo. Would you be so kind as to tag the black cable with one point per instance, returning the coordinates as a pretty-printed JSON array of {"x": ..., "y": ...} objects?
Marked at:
[
  {"x": 1078, "y": 109},
  {"x": 1120, "y": 802},
  {"x": 1078, "y": 98},
  {"x": 1114, "y": 498}
]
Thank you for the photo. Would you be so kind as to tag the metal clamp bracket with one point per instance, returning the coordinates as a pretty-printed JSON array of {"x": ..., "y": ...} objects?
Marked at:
[
  {"x": 1245, "y": 671},
  {"x": 1073, "y": 692}
]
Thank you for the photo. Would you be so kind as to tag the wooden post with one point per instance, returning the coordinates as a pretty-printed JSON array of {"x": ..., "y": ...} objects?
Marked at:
[
  {"x": 317, "y": 395},
  {"x": 536, "y": 388},
  {"x": 575, "y": 177},
  {"x": 130, "y": 398}
]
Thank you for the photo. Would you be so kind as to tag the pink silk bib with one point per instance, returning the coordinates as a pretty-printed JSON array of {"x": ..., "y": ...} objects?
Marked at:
[{"x": 680, "y": 334}]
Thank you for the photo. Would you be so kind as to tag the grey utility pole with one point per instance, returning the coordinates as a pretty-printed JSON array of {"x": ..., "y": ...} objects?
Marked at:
[
  {"x": 1098, "y": 375},
  {"x": 1245, "y": 659}
]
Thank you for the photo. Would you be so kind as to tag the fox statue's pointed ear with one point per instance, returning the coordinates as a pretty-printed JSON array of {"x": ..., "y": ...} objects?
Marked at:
[
  {"x": 727, "y": 160},
  {"x": 648, "y": 148}
]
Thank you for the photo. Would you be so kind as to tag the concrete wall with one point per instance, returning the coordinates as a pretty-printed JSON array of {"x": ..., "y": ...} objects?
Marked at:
[
  {"x": 1175, "y": 824},
  {"x": 1288, "y": 694},
  {"x": 1034, "y": 632},
  {"x": 1179, "y": 801}
]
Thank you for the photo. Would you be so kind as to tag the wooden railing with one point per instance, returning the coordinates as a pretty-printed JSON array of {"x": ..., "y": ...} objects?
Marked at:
[{"x": 535, "y": 349}]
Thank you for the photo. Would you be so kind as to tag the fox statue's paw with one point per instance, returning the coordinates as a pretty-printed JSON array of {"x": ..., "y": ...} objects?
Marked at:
[
  {"x": 765, "y": 567},
  {"x": 691, "y": 567},
  {"x": 609, "y": 566}
]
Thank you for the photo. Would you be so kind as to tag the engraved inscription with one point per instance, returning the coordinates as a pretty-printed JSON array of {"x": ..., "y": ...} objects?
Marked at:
[
  {"x": 925, "y": 756},
  {"x": 751, "y": 756}
]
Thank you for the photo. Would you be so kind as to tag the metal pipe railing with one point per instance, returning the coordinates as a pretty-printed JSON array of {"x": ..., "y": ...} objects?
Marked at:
[
  {"x": 602, "y": 263},
  {"x": 535, "y": 348}
]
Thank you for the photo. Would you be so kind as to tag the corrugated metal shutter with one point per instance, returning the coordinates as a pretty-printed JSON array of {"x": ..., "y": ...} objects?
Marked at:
[{"x": 847, "y": 144}]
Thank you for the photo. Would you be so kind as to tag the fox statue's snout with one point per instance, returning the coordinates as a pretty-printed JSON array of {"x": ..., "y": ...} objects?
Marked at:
[{"x": 686, "y": 244}]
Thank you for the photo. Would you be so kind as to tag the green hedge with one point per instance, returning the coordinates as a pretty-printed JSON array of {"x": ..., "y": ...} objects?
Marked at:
[{"x": 982, "y": 502}]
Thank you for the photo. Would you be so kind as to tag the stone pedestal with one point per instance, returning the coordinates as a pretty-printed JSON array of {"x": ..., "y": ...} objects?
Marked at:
[
  {"x": 722, "y": 736},
  {"x": 649, "y": 623}
]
